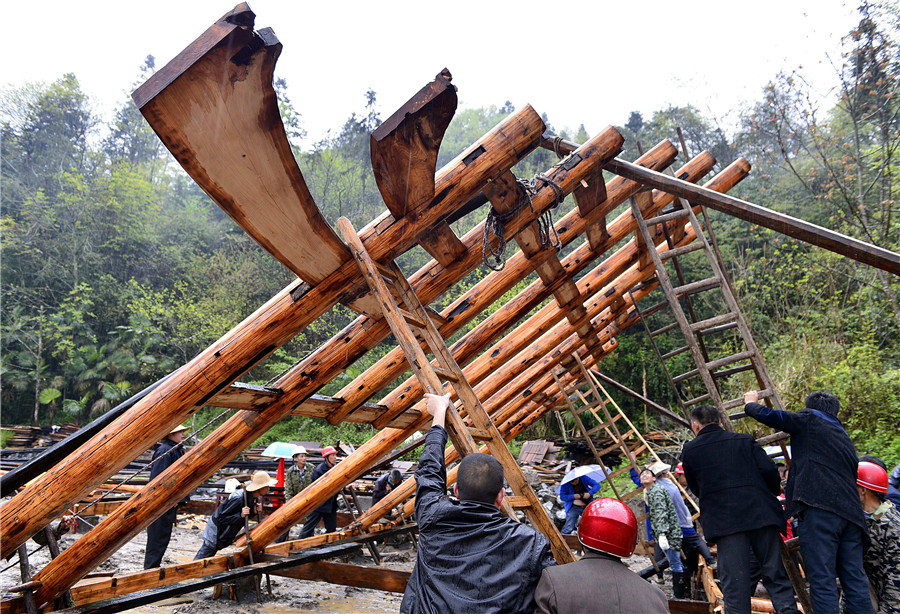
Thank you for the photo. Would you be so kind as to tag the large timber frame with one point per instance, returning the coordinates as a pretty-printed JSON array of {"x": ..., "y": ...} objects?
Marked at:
[{"x": 215, "y": 109}]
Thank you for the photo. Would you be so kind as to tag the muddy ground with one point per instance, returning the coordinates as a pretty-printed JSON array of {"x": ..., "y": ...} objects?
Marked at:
[{"x": 290, "y": 596}]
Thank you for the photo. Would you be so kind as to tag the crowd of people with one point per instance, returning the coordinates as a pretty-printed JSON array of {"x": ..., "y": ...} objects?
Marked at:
[{"x": 473, "y": 558}]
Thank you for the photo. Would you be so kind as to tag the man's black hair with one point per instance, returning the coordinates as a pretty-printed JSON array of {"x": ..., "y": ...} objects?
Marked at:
[
  {"x": 871, "y": 458},
  {"x": 705, "y": 415},
  {"x": 823, "y": 401},
  {"x": 395, "y": 477},
  {"x": 479, "y": 478}
]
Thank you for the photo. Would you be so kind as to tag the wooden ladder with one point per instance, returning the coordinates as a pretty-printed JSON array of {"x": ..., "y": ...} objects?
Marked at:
[
  {"x": 694, "y": 329},
  {"x": 413, "y": 316},
  {"x": 630, "y": 455}
]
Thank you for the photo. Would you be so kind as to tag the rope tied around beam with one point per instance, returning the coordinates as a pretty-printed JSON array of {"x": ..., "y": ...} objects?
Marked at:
[{"x": 496, "y": 222}]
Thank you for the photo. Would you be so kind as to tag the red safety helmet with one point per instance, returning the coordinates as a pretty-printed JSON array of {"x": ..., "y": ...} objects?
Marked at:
[
  {"x": 608, "y": 525},
  {"x": 871, "y": 476},
  {"x": 328, "y": 450},
  {"x": 679, "y": 468}
]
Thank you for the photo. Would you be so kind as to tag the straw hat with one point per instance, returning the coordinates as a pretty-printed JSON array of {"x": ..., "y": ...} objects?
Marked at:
[
  {"x": 658, "y": 468},
  {"x": 259, "y": 480},
  {"x": 178, "y": 429}
]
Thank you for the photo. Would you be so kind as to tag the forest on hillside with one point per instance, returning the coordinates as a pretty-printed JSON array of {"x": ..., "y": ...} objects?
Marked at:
[{"x": 117, "y": 268}]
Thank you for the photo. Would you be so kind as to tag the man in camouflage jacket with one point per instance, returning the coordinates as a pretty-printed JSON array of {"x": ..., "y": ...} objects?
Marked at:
[
  {"x": 882, "y": 558},
  {"x": 299, "y": 476},
  {"x": 664, "y": 520},
  {"x": 296, "y": 478}
]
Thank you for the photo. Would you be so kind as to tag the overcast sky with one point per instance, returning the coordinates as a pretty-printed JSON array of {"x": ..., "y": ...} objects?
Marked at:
[{"x": 588, "y": 63}]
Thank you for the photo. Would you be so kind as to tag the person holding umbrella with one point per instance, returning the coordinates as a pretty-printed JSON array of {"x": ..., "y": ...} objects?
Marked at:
[{"x": 576, "y": 490}]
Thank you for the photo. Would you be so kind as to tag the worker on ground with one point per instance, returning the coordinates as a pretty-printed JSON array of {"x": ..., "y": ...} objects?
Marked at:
[
  {"x": 692, "y": 544},
  {"x": 386, "y": 484},
  {"x": 658, "y": 555},
  {"x": 679, "y": 477},
  {"x": 228, "y": 519},
  {"x": 472, "y": 558},
  {"x": 739, "y": 509},
  {"x": 159, "y": 532},
  {"x": 664, "y": 520},
  {"x": 600, "y": 583},
  {"x": 882, "y": 558},
  {"x": 299, "y": 476},
  {"x": 893, "y": 493},
  {"x": 296, "y": 479},
  {"x": 575, "y": 495},
  {"x": 821, "y": 492},
  {"x": 327, "y": 512}
]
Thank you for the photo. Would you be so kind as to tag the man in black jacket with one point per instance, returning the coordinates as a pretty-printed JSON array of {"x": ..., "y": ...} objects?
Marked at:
[
  {"x": 230, "y": 517},
  {"x": 386, "y": 484},
  {"x": 327, "y": 512},
  {"x": 472, "y": 558},
  {"x": 738, "y": 485},
  {"x": 820, "y": 490},
  {"x": 159, "y": 532}
]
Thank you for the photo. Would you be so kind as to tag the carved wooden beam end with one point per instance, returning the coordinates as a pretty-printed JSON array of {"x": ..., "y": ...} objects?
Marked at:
[{"x": 404, "y": 148}]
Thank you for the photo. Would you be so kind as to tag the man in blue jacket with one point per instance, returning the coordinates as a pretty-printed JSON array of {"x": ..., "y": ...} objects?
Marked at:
[
  {"x": 821, "y": 491},
  {"x": 472, "y": 558},
  {"x": 737, "y": 485}
]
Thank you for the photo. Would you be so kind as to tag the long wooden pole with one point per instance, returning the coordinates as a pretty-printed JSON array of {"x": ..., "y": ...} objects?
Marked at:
[
  {"x": 799, "y": 229},
  {"x": 402, "y": 397}
]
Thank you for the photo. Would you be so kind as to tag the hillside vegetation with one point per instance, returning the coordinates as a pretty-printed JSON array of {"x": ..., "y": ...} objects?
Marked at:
[{"x": 117, "y": 268}]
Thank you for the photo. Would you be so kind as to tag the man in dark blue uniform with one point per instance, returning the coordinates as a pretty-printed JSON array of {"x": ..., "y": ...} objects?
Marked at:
[
  {"x": 159, "y": 532},
  {"x": 327, "y": 512},
  {"x": 821, "y": 491}
]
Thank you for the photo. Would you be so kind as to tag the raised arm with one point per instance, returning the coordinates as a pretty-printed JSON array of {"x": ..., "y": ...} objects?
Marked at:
[
  {"x": 431, "y": 476},
  {"x": 776, "y": 418}
]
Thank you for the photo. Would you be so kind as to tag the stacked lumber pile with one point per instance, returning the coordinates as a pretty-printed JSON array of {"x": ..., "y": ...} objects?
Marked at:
[{"x": 38, "y": 436}]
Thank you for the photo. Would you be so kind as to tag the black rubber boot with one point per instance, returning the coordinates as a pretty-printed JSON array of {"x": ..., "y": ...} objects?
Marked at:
[{"x": 678, "y": 584}]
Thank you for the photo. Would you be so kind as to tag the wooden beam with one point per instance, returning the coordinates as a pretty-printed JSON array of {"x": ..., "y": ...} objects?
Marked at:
[
  {"x": 145, "y": 597},
  {"x": 377, "y": 578},
  {"x": 442, "y": 244},
  {"x": 215, "y": 108},
  {"x": 492, "y": 287},
  {"x": 242, "y": 429},
  {"x": 656, "y": 406},
  {"x": 780, "y": 222},
  {"x": 404, "y": 148}
]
